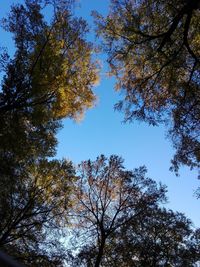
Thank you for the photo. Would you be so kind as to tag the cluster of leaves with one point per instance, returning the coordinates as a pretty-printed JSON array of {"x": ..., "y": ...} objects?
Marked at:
[
  {"x": 153, "y": 50},
  {"x": 52, "y": 64},
  {"x": 50, "y": 77}
]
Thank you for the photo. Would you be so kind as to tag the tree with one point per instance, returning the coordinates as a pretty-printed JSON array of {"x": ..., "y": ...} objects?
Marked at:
[
  {"x": 153, "y": 50},
  {"x": 159, "y": 237},
  {"x": 108, "y": 197},
  {"x": 34, "y": 211},
  {"x": 50, "y": 77},
  {"x": 52, "y": 68}
]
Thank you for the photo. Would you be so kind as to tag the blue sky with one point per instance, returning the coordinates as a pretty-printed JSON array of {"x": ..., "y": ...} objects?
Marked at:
[{"x": 102, "y": 132}]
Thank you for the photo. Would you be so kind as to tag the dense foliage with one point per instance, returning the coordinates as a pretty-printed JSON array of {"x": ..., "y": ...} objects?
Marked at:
[{"x": 154, "y": 51}]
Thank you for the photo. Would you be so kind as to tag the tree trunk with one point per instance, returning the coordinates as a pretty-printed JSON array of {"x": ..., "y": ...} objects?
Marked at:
[{"x": 100, "y": 253}]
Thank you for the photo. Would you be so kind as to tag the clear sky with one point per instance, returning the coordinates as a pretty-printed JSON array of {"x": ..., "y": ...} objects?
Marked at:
[{"x": 102, "y": 132}]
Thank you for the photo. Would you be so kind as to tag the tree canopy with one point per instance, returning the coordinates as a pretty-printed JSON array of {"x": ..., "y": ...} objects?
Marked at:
[
  {"x": 107, "y": 197},
  {"x": 52, "y": 70},
  {"x": 34, "y": 211},
  {"x": 49, "y": 77},
  {"x": 116, "y": 213},
  {"x": 159, "y": 237},
  {"x": 154, "y": 51},
  {"x": 119, "y": 221}
]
